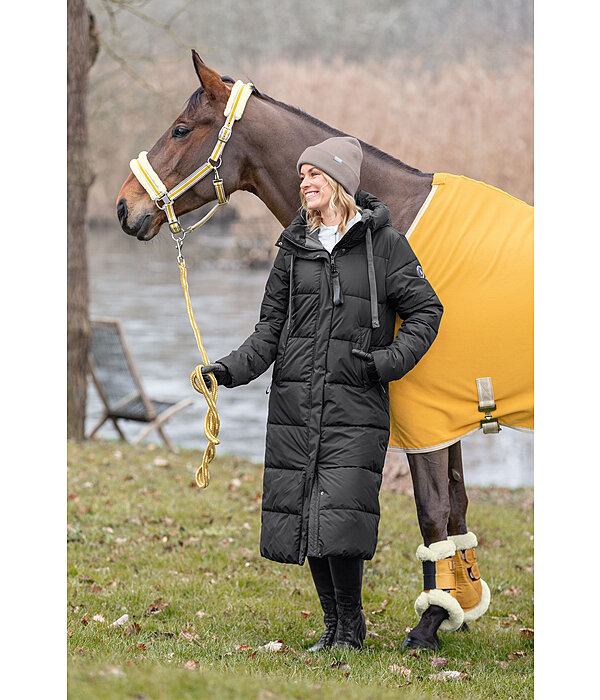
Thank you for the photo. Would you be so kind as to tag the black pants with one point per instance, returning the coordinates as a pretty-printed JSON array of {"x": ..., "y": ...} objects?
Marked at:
[{"x": 339, "y": 578}]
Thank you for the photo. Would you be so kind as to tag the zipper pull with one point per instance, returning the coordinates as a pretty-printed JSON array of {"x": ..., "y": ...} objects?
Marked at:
[{"x": 337, "y": 290}]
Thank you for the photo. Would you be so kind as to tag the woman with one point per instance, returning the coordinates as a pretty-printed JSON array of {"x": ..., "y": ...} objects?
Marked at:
[{"x": 341, "y": 275}]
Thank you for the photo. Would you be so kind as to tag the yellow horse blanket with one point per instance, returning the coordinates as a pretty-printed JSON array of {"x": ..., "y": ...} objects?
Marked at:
[{"x": 475, "y": 244}]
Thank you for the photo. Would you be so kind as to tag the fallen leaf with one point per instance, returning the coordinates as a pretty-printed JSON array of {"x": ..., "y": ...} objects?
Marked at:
[
  {"x": 305, "y": 613},
  {"x": 156, "y": 607},
  {"x": 384, "y": 605},
  {"x": 448, "y": 676},
  {"x": 161, "y": 462},
  {"x": 502, "y": 664},
  {"x": 98, "y": 618},
  {"x": 200, "y": 614},
  {"x": 340, "y": 664},
  {"x": 513, "y": 590},
  {"x": 191, "y": 665},
  {"x": 121, "y": 621},
  {"x": 84, "y": 620},
  {"x": 271, "y": 646},
  {"x": 190, "y": 635},
  {"x": 516, "y": 655},
  {"x": 439, "y": 662},
  {"x": 526, "y": 632},
  {"x": 242, "y": 647},
  {"x": 404, "y": 671}
]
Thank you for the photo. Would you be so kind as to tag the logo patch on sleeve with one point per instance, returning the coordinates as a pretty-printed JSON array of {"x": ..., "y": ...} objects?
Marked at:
[{"x": 420, "y": 272}]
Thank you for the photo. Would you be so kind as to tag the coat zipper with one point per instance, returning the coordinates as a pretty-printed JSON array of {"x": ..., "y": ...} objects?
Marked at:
[
  {"x": 335, "y": 280},
  {"x": 337, "y": 299}
]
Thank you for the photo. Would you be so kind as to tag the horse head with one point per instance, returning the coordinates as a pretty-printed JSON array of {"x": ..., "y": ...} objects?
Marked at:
[{"x": 185, "y": 145}]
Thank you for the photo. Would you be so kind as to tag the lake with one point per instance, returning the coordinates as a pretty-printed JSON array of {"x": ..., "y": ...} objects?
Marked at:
[{"x": 139, "y": 284}]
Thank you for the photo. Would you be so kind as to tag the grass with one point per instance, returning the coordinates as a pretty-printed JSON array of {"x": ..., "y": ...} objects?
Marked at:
[{"x": 183, "y": 565}]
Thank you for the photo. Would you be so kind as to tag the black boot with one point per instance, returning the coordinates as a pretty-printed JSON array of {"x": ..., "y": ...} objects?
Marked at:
[
  {"x": 330, "y": 617},
  {"x": 321, "y": 573},
  {"x": 352, "y": 626}
]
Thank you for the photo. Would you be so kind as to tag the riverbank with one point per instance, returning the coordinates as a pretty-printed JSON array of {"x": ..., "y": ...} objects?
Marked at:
[{"x": 168, "y": 596}]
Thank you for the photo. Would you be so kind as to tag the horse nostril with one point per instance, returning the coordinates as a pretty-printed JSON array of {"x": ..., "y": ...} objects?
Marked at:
[{"x": 122, "y": 211}]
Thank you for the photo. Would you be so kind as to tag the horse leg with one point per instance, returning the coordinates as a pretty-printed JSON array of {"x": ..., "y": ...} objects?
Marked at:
[
  {"x": 457, "y": 519},
  {"x": 429, "y": 472},
  {"x": 472, "y": 592}
]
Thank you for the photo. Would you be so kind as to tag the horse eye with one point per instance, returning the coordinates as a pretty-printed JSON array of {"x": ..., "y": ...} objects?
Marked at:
[{"x": 179, "y": 132}]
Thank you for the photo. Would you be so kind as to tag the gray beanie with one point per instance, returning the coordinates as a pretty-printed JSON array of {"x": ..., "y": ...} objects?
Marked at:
[{"x": 340, "y": 157}]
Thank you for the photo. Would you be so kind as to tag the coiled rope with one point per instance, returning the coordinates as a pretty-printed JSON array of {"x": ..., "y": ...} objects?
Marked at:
[{"x": 211, "y": 422}]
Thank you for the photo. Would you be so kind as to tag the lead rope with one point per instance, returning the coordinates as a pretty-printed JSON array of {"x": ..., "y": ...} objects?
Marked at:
[
  {"x": 211, "y": 422},
  {"x": 164, "y": 200}
]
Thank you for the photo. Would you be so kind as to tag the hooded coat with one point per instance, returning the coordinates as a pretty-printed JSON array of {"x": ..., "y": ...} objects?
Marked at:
[{"x": 328, "y": 424}]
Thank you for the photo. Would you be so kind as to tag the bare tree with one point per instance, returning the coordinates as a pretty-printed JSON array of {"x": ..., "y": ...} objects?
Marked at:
[{"x": 81, "y": 53}]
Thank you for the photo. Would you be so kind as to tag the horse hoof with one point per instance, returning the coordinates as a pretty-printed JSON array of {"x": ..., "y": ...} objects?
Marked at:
[{"x": 414, "y": 642}]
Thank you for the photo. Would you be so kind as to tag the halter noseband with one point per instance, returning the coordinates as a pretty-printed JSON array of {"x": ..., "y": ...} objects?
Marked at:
[{"x": 164, "y": 198}]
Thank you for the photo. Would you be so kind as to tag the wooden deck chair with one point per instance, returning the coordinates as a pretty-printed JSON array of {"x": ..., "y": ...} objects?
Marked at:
[{"x": 119, "y": 387}]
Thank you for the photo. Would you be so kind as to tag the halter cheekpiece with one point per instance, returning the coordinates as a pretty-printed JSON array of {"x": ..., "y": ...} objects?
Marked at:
[{"x": 164, "y": 199}]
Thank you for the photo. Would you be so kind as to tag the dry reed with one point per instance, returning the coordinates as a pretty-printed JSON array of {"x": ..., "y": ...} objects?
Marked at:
[{"x": 466, "y": 118}]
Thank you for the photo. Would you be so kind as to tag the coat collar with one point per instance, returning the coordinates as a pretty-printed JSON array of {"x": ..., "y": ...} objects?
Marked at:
[{"x": 375, "y": 215}]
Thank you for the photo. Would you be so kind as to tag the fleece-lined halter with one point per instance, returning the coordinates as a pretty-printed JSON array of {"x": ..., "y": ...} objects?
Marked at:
[{"x": 157, "y": 190}]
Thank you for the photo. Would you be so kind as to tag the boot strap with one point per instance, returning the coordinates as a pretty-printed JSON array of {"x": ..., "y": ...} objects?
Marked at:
[{"x": 439, "y": 575}]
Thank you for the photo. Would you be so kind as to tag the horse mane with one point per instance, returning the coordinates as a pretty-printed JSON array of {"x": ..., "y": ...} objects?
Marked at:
[
  {"x": 194, "y": 102},
  {"x": 336, "y": 132}
]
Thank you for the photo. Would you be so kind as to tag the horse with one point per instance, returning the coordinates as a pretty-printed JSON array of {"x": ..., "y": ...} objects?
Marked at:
[{"x": 259, "y": 158}]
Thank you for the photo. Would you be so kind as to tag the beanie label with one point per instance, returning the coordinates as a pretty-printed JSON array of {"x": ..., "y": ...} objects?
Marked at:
[{"x": 339, "y": 160}]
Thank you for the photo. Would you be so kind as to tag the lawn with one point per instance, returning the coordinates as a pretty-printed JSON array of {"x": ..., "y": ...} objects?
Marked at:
[{"x": 168, "y": 596}]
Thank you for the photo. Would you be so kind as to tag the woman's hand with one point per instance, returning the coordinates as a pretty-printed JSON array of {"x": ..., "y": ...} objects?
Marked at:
[
  {"x": 220, "y": 371},
  {"x": 371, "y": 368}
]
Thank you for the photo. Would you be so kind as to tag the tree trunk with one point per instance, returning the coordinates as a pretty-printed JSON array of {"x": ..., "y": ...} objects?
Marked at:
[{"x": 81, "y": 52}]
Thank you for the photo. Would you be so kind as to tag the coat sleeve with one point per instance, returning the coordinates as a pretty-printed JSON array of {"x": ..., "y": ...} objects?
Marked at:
[
  {"x": 256, "y": 354},
  {"x": 415, "y": 301}
]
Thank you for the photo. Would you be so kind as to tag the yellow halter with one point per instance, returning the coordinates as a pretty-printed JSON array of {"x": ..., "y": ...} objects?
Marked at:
[{"x": 164, "y": 199}]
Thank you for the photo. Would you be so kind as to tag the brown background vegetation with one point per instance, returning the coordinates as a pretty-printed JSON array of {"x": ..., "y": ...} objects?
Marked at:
[{"x": 443, "y": 86}]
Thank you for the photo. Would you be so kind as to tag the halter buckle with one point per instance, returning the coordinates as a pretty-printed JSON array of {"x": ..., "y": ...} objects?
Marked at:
[
  {"x": 163, "y": 201},
  {"x": 225, "y": 133},
  {"x": 176, "y": 228}
]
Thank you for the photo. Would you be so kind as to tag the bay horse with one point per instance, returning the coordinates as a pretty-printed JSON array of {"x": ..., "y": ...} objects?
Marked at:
[{"x": 260, "y": 159}]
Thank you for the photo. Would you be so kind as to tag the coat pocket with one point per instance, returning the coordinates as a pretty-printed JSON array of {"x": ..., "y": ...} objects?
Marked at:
[
  {"x": 362, "y": 341},
  {"x": 280, "y": 359}
]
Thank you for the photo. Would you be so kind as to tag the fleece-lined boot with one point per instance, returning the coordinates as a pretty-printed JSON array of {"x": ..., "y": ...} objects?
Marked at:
[
  {"x": 472, "y": 592},
  {"x": 330, "y": 617},
  {"x": 439, "y": 583},
  {"x": 351, "y": 625}
]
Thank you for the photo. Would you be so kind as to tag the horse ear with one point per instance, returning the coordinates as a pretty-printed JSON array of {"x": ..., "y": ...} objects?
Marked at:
[{"x": 209, "y": 79}]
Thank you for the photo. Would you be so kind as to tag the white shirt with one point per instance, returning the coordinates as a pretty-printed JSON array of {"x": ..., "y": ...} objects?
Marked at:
[{"x": 329, "y": 235}]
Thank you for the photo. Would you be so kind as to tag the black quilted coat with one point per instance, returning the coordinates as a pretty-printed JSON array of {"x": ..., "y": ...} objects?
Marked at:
[{"x": 328, "y": 424}]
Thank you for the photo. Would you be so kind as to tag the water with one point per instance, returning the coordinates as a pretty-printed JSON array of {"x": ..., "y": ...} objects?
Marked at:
[{"x": 139, "y": 284}]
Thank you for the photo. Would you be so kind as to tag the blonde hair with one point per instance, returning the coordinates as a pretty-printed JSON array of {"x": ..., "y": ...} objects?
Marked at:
[{"x": 340, "y": 201}]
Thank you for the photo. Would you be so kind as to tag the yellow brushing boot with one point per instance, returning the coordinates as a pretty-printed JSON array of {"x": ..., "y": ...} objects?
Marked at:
[
  {"x": 472, "y": 592},
  {"x": 439, "y": 583}
]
